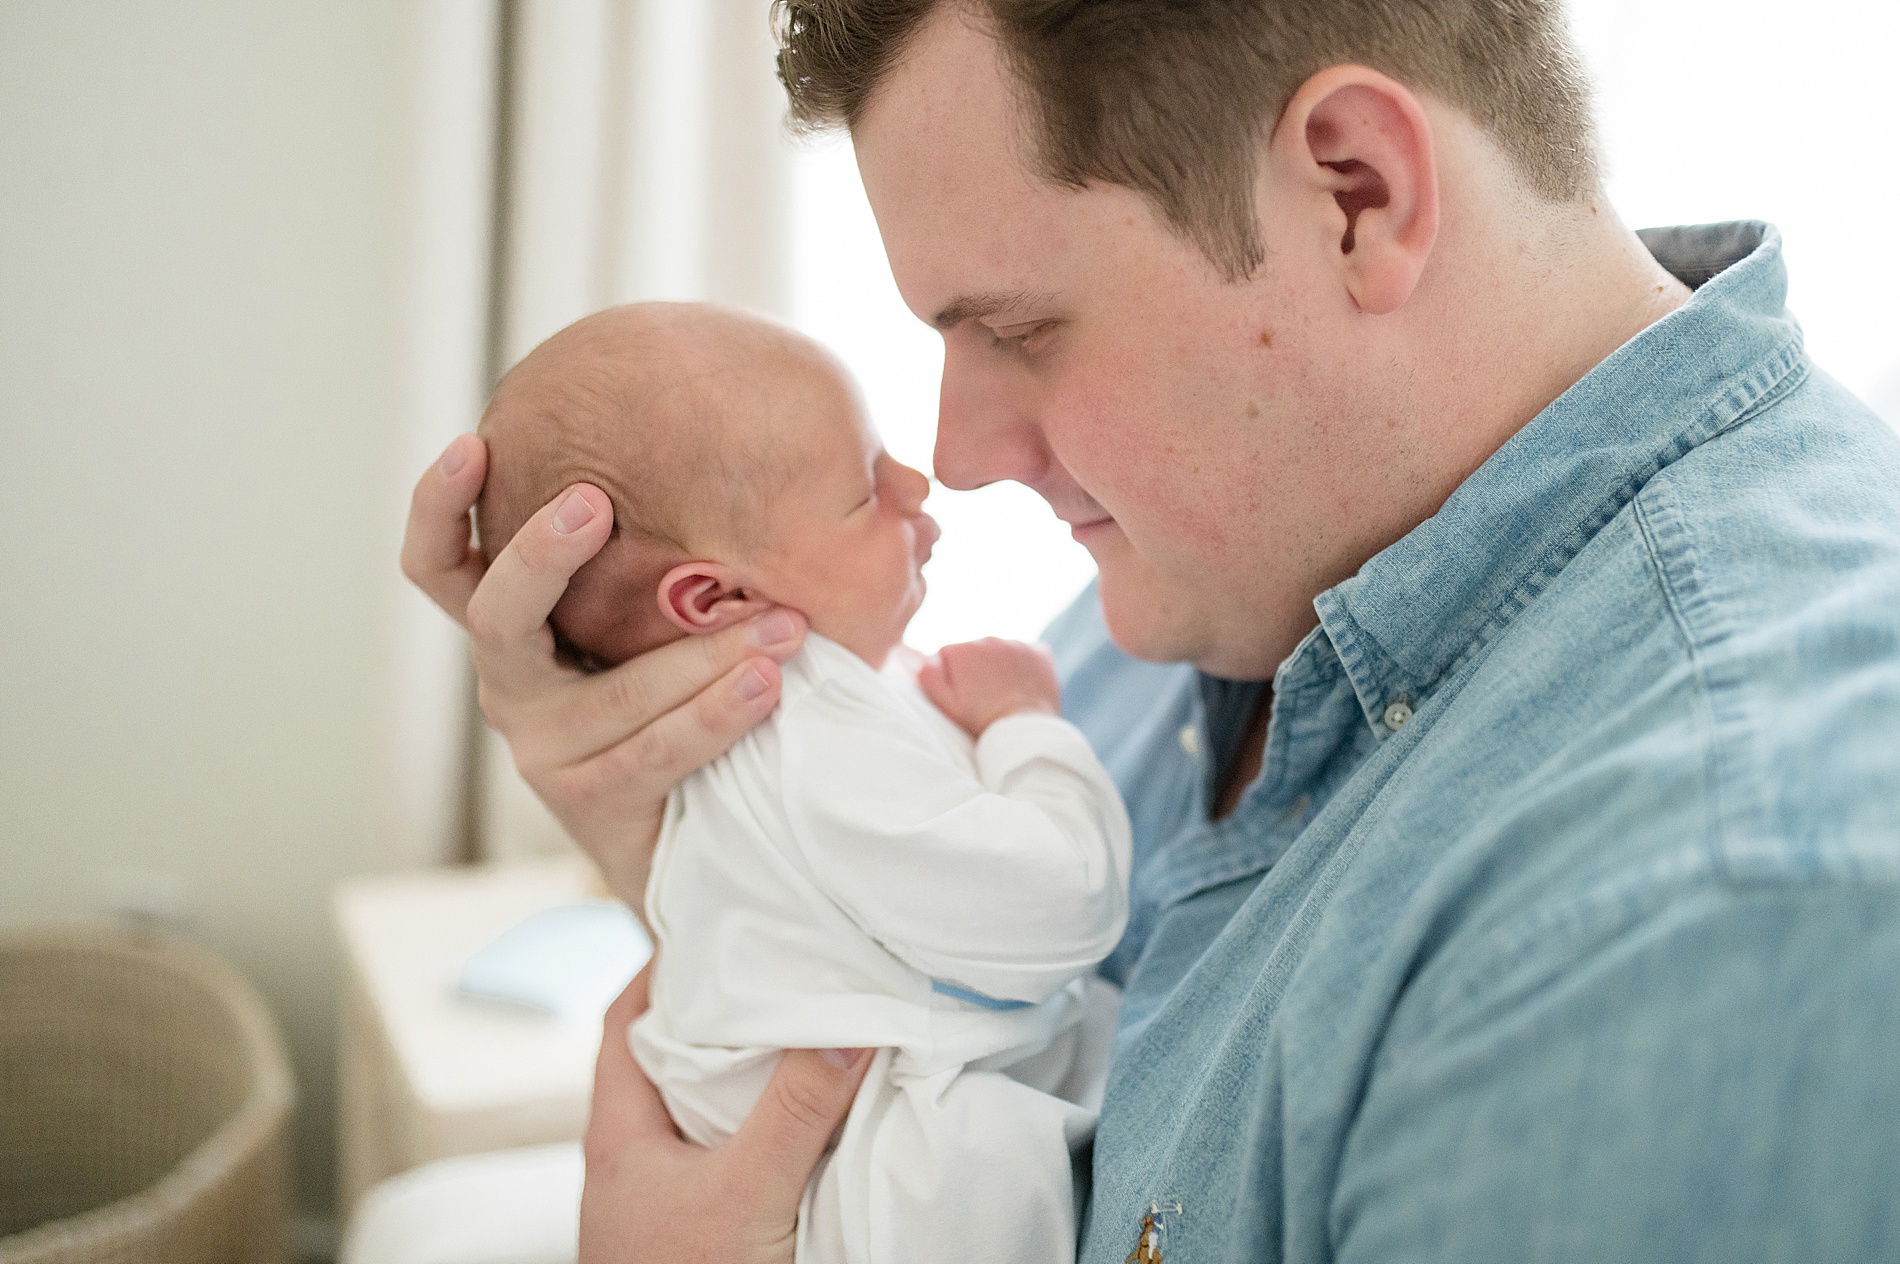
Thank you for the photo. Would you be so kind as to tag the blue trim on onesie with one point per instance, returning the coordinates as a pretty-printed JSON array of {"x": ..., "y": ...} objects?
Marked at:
[{"x": 943, "y": 987}]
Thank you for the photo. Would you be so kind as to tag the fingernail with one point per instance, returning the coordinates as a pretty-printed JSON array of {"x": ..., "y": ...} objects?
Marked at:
[
  {"x": 575, "y": 512},
  {"x": 775, "y": 628},
  {"x": 751, "y": 684},
  {"x": 454, "y": 459},
  {"x": 841, "y": 1059}
]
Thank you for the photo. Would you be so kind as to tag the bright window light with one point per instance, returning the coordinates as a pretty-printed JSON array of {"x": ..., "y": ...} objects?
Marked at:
[
  {"x": 1006, "y": 564},
  {"x": 1775, "y": 110}
]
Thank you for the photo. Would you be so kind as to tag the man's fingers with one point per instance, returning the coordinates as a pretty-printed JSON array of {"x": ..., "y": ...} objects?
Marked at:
[
  {"x": 696, "y": 689},
  {"x": 674, "y": 746},
  {"x": 436, "y": 556},
  {"x": 508, "y": 612},
  {"x": 778, "y": 1147},
  {"x": 620, "y": 782}
]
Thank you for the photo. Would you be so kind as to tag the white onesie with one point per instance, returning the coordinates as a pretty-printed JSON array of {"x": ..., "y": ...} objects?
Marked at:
[{"x": 856, "y": 873}]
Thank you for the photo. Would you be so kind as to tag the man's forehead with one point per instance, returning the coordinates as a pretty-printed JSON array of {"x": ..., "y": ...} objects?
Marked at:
[
  {"x": 941, "y": 146},
  {"x": 951, "y": 62},
  {"x": 992, "y": 247}
]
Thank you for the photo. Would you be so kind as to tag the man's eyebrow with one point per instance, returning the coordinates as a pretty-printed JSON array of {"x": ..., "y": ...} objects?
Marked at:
[{"x": 980, "y": 306}]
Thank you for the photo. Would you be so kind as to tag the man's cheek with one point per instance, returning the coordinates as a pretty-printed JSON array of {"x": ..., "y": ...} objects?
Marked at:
[
  {"x": 1095, "y": 435},
  {"x": 1168, "y": 499}
]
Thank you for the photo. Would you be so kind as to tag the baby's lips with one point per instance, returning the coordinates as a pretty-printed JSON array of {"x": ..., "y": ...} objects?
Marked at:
[{"x": 928, "y": 533}]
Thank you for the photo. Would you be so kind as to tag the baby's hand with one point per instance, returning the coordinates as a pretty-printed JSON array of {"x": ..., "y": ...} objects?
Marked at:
[{"x": 978, "y": 683}]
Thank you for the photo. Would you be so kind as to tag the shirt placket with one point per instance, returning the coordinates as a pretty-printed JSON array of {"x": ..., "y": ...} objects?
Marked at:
[{"x": 1314, "y": 738}]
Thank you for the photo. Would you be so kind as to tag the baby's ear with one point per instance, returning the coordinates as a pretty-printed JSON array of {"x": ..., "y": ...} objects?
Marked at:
[{"x": 703, "y": 597}]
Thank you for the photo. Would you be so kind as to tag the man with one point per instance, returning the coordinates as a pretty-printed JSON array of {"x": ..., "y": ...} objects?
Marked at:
[{"x": 1518, "y": 838}]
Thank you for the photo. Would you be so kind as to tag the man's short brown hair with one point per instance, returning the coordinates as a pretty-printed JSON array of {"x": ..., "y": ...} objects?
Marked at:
[{"x": 1170, "y": 97}]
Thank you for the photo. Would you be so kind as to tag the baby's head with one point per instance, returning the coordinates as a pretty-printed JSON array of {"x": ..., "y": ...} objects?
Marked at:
[{"x": 743, "y": 474}]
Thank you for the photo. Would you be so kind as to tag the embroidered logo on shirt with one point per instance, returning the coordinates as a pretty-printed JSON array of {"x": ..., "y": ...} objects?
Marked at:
[{"x": 1147, "y": 1249}]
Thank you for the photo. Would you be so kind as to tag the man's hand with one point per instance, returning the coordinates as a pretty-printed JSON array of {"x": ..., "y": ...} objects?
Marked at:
[
  {"x": 980, "y": 682},
  {"x": 651, "y": 1195},
  {"x": 602, "y": 751}
]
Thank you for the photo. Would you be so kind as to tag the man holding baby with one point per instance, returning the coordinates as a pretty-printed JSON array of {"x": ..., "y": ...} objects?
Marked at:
[{"x": 1516, "y": 854}]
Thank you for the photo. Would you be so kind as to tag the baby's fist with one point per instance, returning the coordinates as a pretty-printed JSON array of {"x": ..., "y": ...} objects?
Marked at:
[{"x": 979, "y": 682}]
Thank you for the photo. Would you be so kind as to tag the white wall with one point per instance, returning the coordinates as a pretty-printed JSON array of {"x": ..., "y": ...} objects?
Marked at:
[{"x": 202, "y": 254}]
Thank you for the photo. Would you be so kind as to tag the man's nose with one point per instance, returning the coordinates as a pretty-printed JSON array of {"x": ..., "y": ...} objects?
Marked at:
[{"x": 986, "y": 431}]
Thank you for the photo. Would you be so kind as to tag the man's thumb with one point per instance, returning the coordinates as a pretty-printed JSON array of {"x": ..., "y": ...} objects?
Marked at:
[{"x": 808, "y": 1097}]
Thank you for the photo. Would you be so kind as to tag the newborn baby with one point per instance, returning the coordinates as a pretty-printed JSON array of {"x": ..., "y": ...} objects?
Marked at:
[{"x": 864, "y": 869}]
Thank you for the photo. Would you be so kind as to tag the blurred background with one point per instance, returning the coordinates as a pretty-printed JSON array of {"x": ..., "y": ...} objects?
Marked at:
[{"x": 258, "y": 263}]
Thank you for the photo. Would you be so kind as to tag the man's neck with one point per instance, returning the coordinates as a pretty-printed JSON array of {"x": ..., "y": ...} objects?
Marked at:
[
  {"x": 1514, "y": 315},
  {"x": 1519, "y": 307},
  {"x": 1527, "y": 305},
  {"x": 1519, "y": 312},
  {"x": 1248, "y": 758}
]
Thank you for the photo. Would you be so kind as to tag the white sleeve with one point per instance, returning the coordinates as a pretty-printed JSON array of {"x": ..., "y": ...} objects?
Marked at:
[{"x": 1010, "y": 882}]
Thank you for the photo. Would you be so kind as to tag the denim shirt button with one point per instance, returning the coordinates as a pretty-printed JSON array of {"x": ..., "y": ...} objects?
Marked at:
[
  {"x": 1191, "y": 741},
  {"x": 1397, "y": 714}
]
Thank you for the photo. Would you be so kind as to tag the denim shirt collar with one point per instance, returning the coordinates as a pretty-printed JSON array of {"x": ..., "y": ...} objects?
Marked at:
[{"x": 1420, "y": 608}]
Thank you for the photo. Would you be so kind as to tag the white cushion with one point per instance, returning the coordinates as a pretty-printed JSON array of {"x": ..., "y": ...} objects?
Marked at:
[{"x": 506, "y": 1207}]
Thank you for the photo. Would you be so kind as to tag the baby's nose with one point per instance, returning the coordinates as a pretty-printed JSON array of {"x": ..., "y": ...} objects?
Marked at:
[{"x": 916, "y": 487}]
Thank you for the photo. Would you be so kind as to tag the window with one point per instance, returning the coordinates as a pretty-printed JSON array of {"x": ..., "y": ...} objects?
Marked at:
[{"x": 1005, "y": 565}]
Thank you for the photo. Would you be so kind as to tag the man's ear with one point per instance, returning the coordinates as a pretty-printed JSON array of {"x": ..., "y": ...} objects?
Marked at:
[
  {"x": 703, "y": 597},
  {"x": 1362, "y": 141}
]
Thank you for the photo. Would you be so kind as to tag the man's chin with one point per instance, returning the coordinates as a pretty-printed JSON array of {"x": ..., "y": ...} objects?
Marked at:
[
  {"x": 1148, "y": 620},
  {"x": 1140, "y": 628}
]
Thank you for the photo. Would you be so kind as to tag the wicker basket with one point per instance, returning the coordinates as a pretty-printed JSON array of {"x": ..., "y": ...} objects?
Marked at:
[{"x": 144, "y": 1098}]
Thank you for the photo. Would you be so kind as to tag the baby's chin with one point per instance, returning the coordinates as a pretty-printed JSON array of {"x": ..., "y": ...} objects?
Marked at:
[
  {"x": 910, "y": 609},
  {"x": 875, "y": 647},
  {"x": 871, "y": 631}
]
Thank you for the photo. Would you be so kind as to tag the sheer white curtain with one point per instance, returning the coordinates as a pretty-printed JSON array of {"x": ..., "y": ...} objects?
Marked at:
[{"x": 443, "y": 292}]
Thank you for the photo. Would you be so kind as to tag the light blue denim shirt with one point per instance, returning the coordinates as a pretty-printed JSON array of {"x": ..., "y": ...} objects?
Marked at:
[{"x": 1563, "y": 921}]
